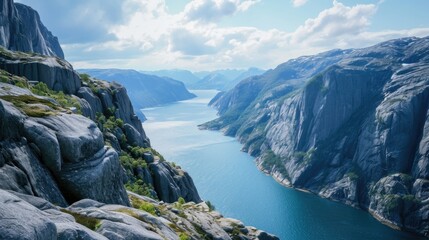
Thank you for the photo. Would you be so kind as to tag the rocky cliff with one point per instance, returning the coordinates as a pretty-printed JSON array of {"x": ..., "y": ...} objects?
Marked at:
[
  {"x": 347, "y": 125},
  {"x": 70, "y": 148},
  {"x": 22, "y": 30},
  {"x": 59, "y": 150}
]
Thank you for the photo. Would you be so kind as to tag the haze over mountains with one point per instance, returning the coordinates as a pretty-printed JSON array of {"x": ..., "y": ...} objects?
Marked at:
[
  {"x": 219, "y": 79},
  {"x": 144, "y": 90}
]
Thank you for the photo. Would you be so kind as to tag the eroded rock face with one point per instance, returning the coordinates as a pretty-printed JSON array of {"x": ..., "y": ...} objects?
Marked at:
[
  {"x": 171, "y": 183},
  {"x": 56, "y": 73},
  {"x": 356, "y": 120},
  {"x": 99, "y": 177},
  {"x": 61, "y": 155},
  {"x": 22, "y": 30},
  {"x": 15, "y": 224}
]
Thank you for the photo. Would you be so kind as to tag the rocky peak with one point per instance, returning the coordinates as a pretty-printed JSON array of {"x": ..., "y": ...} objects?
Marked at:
[{"x": 22, "y": 30}]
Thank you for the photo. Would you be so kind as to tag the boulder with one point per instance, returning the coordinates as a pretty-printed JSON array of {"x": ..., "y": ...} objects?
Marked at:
[
  {"x": 25, "y": 173},
  {"x": 170, "y": 183},
  {"x": 133, "y": 136},
  {"x": 78, "y": 137},
  {"x": 87, "y": 94},
  {"x": 47, "y": 144},
  {"x": 99, "y": 177},
  {"x": 15, "y": 216}
]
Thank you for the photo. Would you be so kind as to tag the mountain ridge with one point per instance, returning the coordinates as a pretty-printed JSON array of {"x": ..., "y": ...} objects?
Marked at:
[
  {"x": 349, "y": 125},
  {"x": 144, "y": 90}
]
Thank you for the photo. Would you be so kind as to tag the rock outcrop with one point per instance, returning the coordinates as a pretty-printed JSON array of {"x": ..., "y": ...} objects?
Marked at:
[
  {"x": 171, "y": 183},
  {"x": 88, "y": 219},
  {"x": 71, "y": 151},
  {"x": 56, "y": 73},
  {"x": 348, "y": 125},
  {"x": 22, "y": 30}
]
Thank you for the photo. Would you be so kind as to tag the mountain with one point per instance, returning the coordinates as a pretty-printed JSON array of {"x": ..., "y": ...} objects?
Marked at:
[
  {"x": 211, "y": 81},
  {"x": 144, "y": 90},
  {"x": 22, "y": 30},
  {"x": 229, "y": 73},
  {"x": 348, "y": 125},
  {"x": 187, "y": 77},
  {"x": 223, "y": 80},
  {"x": 248, "y": 73},
  {"x": 75, "y": 162}
]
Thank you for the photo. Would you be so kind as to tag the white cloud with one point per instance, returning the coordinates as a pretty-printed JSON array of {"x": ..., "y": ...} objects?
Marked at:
[
  {"x": 154, "y": 39},
  {"x": 213, "y": 10},
  {"x": 335, "y": 22},
  {"x": 298, "y": 3}
]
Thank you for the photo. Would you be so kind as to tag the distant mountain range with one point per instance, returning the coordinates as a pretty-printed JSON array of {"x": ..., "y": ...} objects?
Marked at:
[
  {"x": 221, "y": 80},
  {"x": 185, "y": 76},
  {"x": 144, "y": 90}
]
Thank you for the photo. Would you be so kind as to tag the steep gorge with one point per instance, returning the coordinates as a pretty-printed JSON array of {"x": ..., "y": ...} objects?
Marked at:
[{"x": 349, "y": 125}]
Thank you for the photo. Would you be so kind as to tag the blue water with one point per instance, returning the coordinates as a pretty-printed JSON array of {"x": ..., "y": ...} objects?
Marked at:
[{"x": 230, "y": 180}]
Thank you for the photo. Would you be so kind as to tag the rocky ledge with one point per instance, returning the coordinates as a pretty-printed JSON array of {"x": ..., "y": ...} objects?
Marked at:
[{"x": 89, "y": 219}]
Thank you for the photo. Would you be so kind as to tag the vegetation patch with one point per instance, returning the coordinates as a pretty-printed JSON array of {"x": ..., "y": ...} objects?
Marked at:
[
  {"x": 66, "y": 101},
  {"x": 141, "y": 188},
  {"x": 6, "y": 77},
  {"x": 211, "y": 206},
  {"x": 89, "y": 222},
  {"x": 184, "y": 236},
  {"x": 305, "y": 157},
  {"x": 143, "y": 205},
  {"x": 29, "y": 105},
  {"x": 203, "y": 234},
  {"x": 270, "y": 160},
  {"x": 393, "y": 201}
]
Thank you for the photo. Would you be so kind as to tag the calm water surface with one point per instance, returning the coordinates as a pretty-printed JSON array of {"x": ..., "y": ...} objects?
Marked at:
[{"x": 230, "y": 180}]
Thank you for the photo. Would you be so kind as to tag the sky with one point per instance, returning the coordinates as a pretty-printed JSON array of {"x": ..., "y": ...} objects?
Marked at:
[{"x": 202, "y": 35}]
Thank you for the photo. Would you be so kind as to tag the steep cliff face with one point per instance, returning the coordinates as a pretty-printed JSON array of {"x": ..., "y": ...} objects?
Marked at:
[
  {"x": 76, "y": 148},
  {"x": 355, "y": 132},
  {"x": 22, "y": 30}
]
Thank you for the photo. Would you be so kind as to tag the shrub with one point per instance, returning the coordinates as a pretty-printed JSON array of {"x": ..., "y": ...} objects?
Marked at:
[
  {"x": 66, "y": 101},
  {"x": 142, "y": 205},
  {"x": 181, "y": 201},
  {"x": 211, "y": 206},
  {"x": 184, "y": 236}
]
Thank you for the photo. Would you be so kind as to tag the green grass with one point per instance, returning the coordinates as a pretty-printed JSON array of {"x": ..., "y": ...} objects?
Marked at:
[
  {"x": 143, "y": 205},
  {"x": 23, "y": 103},
  {"x": 184, "y": 236},
  {"x": 66, "y": 101},
  {"x": 6, "y": 77}
]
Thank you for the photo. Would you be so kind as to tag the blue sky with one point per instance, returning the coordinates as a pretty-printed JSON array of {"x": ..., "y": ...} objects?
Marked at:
[{"x": 217, "y": 34}]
